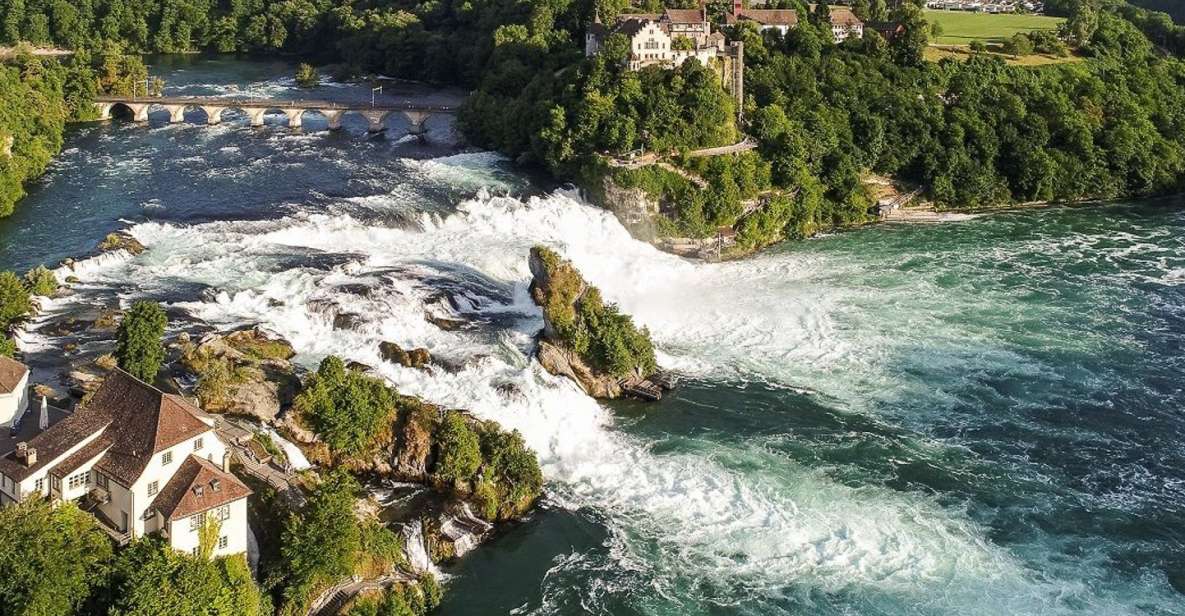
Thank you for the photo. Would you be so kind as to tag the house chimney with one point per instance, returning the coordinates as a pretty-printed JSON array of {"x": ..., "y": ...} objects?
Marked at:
[
  {"x": 30, "y": 457},
  {"x": 43, "y": 421},
  {"x": 737, "y": 7},
  {"x": 226, "y": 461},
  {"x": 22, "y": 450}
]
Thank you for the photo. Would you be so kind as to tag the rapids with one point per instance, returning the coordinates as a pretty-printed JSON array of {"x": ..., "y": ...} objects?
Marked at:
[{"x": 980, "y": 417}]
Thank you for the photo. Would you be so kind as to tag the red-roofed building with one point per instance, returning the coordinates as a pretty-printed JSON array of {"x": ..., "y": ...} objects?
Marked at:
[{"x": 142, "y": 461}]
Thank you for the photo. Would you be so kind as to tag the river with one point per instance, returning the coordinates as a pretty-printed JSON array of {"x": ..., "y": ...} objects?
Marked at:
[{"x": 981, "y": 417}]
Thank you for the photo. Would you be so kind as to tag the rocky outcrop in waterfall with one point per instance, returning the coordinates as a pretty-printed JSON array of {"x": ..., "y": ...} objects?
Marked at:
[
  {"x": 584, "y": 338},
  {"x": 245, "y": 372}
]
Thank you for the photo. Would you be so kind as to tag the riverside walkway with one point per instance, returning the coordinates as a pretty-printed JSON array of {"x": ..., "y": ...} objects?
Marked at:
[{"x": 417, "y": 114}]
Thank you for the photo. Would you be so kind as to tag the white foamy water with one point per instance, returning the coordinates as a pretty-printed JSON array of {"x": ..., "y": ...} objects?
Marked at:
[{"x": 681, "y": 518}]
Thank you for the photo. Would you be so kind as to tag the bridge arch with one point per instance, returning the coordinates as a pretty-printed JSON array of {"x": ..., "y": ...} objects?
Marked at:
[{"x": 137, "y": 111}]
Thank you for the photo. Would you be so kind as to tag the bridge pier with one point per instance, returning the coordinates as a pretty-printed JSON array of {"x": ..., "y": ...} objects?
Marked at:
[
  {"x": 255, "y": 114},
  {"x": 176, "y": 113},
  {"x": 334, "y": 117},
  {"x": 213, "y": 114},
  {"x": 375, "y": 119},
  {"x": 294, "y": 116},
  {"x": 417, "y": 122}
]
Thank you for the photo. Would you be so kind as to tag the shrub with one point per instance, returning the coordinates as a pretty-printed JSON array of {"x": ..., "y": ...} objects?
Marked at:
[
  {"x": 306, "y": 76},
  {"x": 459, "y": 450},
  {"x": 138, "y": 346},
  {"x": 14, "y": 299},
  {"x": 41, "y": 281},
  {"x": 347, "y": 408}
]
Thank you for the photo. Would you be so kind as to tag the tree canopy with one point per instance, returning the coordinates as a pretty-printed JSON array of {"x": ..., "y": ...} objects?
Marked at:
[{"x": 139, "y": 345}]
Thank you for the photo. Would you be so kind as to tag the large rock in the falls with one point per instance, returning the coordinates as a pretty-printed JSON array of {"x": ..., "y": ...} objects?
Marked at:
[
  {"x": 563, "y": 362},
  {"x": 246, "y": 372},
  {"x": 585, "y": 339},
  {"x": 121, "y": 240},
  {"x": 412, "y": 358}
]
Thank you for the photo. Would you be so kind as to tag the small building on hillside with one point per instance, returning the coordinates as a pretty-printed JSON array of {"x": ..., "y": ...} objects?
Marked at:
[
  {"x": 779, "y": 20},
  {"x": 141, "y": 461},
  {"x": 889, "y": 30},
  {"x": 844, "y": 23},
  {"x": 14, "y": 391}
]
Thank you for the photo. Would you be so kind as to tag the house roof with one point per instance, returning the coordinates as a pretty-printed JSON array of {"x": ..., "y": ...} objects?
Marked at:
[
  {"x": 54, "y": 442},
  {"x": 632, "y": 25},
  {"x": 843, "y": 16},
  {"x": 684, "y": 16},
  {"x": 768, "y": 17},
  {"x": 11, "y": 373},
  {"x": 89, "y": 452},
  {"x": 197, "y": 486},
  {"x": 137, "y": 419}
]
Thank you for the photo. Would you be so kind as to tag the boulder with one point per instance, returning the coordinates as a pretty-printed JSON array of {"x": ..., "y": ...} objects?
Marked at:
[
  {"x": 252, "y": 365},
  {"x": 562, "y": 362},
  {"x": 121, "y": 240},
  {"x": 413, "y": 358}
]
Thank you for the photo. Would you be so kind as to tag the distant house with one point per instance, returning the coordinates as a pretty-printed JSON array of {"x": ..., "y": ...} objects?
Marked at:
[
  {"x": 844, "y": 23},
  {"x": 780, "y": 20},
  {"x": 889, "y": 30},
  {"x": 14, "y": 391},
  {"x": 140, "y": 460},
  {"x": 658, "y": 39}
]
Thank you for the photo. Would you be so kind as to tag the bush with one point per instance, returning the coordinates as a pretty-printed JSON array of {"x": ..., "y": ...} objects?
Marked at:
[
  {"x": 152, "y": 578},
  {"x": 7, "y": 346},
  {"x": 347, "y": 408},
  {"x": 14, "y": 299},
  {"x": 307, "y": 77},
  {"x": 41, "y": 281},
  {"x": 139, "y": 348},
  {"x": 459, "y": 450}
]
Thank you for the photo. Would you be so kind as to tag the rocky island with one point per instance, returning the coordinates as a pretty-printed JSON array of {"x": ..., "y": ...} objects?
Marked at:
[{"x": 587, "y": 340}]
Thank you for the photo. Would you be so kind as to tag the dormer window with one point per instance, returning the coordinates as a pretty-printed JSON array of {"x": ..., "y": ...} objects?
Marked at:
[
  {"x": 197, "y": 444},
  {"x": 166, "y": 458},
  {"x": 215, "y": 485}
]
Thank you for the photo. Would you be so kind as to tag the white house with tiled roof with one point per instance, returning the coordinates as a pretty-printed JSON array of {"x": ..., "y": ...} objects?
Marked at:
[
  {"x": 142, "y": 461},
  {"x": 14, "y": 391}
]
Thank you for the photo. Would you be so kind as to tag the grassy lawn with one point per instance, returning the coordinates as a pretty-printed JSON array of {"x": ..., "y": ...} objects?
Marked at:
[
  {"x": 934, "y": 54},
  {"x": 962, "y": 27}
]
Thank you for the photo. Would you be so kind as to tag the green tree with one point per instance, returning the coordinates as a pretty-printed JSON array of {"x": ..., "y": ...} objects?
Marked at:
[
  {"x": 53, "y": 558},
  {"x": 139, "y": 346},
  {"x": 458, "y": 450},
  {"x": 306, "y": 76},
  {"x": 320, "y": 543},
  {"x": 347, "y": 408},
  {"x": 41, "y": 281},
  {"x": 152, "y": 578},
  {"x": 15, "y": 302}
]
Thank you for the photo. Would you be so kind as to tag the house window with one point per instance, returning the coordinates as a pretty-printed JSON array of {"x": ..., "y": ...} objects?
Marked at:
[
  {"x": 77, "y": 480},
  {"x": 153, "y": 488},
  {"x": 55, "y": 483},
  {"x": 101, "y": 480},
  {"x": 196, "y": 549},
  {"x": 195, "y": 522},
  {"x": 39, "y": 486},
  {"x": 166, "y": 457},
  {"x": 197, "y": 444},
  {"x": 222, "y": 541},
  {"x": 224, "y": 513}
]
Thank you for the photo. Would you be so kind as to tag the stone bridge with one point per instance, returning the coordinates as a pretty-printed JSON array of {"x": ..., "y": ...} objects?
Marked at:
[{"x": 376, "y": 115}]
